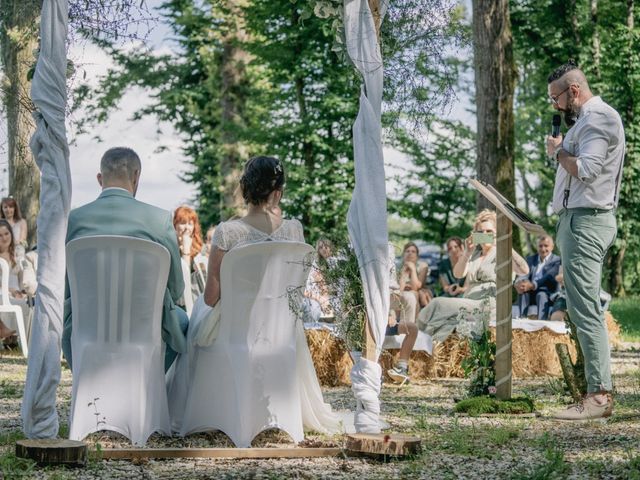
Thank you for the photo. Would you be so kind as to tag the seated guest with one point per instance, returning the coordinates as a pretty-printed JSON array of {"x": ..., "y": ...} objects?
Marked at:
[
  {"x": 317, "y": 302},
  {"x": 558, "y": 311},
  {"x": 117, "y": 212},
  {"x": 535, "y": 288},
  {"x": 200, "y": 262},
  {"x": 478, "y": 263},
  {"x": 10, "y": 211},
  {"x": 400, "y": 371},
  {"x": 451, "y": 286},
  {"x": 206, "y": 248},
  {"x": 411, "y": 279},
  {"x": 8, "y": 253},
  {"x": 187, "y": 227}
]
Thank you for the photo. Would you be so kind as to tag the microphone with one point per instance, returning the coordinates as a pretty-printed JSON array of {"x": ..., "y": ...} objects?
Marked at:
[{"x": 555, "y": 126}]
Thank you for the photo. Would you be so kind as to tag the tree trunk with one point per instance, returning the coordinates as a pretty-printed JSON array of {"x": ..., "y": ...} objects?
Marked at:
[
  {"x": 495, "y": 78},
  {"x": 574, "y": 21},
  {"x": 617, "y": 253},
  {"x": 595, "y": 39},
  {"x": 19, "y": 26},
  {"x": 307, "y": 146},
  {"x": 233, "y": 103}
]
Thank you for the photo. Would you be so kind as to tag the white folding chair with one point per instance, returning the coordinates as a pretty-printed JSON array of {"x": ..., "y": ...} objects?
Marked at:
[
  {"x": 247, "y": 381},
  {"x": 7, "y": 307},
  {"x": 117, "y": 288}
]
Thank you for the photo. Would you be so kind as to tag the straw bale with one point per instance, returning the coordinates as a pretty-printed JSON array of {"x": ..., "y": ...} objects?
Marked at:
[
  {"x": 613, "y": 328},
  {"x": 330, "y": 357},
  {"x": 533, "y": 354}
]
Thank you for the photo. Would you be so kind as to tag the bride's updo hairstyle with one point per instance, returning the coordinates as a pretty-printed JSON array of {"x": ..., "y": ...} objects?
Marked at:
[{"x": 261, "y": 176}]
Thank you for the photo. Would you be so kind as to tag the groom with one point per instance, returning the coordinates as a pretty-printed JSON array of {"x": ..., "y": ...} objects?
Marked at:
[{"x": 117, "y": 212}]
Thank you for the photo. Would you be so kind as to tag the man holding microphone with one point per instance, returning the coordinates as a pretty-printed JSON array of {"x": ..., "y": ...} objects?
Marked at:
[{"x": 585, "y": 196}]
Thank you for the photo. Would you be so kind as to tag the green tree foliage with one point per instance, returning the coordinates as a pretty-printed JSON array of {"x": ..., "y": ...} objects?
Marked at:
[
  {"x": 294, "y": 96},
  {"x": 297, "y": 101},
  {"x": 185, "y": 90},
  {"x": 435, "y": 190},
  {"x": 308, "y": 104},
  {"x": 604, "y": 38}
]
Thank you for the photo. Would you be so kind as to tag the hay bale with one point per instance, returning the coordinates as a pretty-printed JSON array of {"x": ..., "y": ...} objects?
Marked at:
[
  {"x": 613, "y": 329},
  {"x": 533, "y": 355},
  {"x": 330, "y": 357}
]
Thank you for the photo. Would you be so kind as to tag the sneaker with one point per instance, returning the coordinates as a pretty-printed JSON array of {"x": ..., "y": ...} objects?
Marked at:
[
  {"x": 587, "y": 409},
  {"x": 399, "y": 375}
]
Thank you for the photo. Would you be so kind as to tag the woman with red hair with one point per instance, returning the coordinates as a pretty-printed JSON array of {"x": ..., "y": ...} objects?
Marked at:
[{"x": 187, "y": 226}]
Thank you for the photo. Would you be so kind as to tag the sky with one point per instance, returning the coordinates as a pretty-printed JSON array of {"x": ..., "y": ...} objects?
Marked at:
[{"x": 160, "y": 183}]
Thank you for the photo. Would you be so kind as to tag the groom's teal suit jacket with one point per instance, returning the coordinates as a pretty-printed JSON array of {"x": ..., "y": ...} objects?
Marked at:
[{"x": 116, "y": 212}]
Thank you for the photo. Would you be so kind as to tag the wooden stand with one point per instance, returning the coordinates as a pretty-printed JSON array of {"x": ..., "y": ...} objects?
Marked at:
[
  {"x": 53, "y": 452},
  {"x": 507, "y": 215},
  {"x": 503, "y": 308},
  {"x": 392, "y": 445}
]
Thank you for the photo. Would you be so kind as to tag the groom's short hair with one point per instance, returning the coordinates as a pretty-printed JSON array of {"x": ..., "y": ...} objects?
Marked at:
[{"x": 120, "y": 163}]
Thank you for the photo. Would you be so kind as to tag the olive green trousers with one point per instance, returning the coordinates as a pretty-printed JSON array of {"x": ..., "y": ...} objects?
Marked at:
[{"x": 584, "y": 235}]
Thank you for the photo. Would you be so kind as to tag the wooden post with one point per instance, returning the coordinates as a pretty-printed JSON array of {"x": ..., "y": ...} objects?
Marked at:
[
  {"x": 374, "y": 6},
  {"x": 503, "y": 308},
  {"x": 369, "y": 347}
]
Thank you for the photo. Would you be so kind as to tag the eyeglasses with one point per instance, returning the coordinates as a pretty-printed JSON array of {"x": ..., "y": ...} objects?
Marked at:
[{"x": 554, "y": 98}]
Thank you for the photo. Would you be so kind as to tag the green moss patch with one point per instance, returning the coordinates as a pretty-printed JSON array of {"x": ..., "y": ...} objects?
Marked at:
[{"x": 475, "y": 406}]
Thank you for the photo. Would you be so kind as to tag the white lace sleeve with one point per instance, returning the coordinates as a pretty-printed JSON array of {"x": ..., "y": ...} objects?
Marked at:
[
  {"x": 219, "y": 238},
  {"x": 297, "y": 231}
]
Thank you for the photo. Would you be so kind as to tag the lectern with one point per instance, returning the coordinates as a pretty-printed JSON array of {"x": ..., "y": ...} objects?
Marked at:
[{"x": 507, "y": 215}]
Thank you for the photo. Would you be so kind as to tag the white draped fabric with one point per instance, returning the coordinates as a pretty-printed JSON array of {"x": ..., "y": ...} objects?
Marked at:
[
  {"x": 51, "y": 152},
  {"x": 367, "y": 216}
]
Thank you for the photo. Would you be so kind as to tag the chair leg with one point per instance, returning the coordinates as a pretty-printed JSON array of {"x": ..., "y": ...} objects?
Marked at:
[{"x": 22, "y": 333}]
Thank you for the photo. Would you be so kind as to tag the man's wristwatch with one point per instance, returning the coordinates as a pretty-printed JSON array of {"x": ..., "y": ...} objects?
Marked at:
[{"x": 556, "y": 152}]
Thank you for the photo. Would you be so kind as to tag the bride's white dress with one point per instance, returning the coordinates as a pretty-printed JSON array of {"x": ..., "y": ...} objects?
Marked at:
[{"x": 316, "y": 414}]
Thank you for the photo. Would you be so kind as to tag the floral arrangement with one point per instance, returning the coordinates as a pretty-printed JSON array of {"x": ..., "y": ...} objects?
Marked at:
[
  {"x": 479, "y": 366},
  {"x": 340, "y": 279},
  {"x": 341, "y": 276}
]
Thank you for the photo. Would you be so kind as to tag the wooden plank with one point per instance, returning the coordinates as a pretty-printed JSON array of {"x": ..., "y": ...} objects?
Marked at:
[
  {"x": 503, "y": 308},
  {"x": 384, "y": 444},
  {"x": 500, "y": 202},
  {"x": 136, "y": 453},
  {"x": 53, "y": 451}
]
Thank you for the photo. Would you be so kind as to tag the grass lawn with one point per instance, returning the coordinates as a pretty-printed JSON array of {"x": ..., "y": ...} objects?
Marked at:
[
  {"x": 454, "y": 447},
  {"x": 627, "y": 313}
]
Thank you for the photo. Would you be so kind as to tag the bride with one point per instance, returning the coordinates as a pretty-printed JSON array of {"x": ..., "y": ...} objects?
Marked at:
[{"x": 262, "y": 185}]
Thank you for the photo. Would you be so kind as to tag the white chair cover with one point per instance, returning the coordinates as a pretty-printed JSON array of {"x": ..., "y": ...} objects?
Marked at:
[
  {"x": 247, "y": 381},
  {"x": 117, "y": 288},
  {"x": 6, "y": 306}
]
